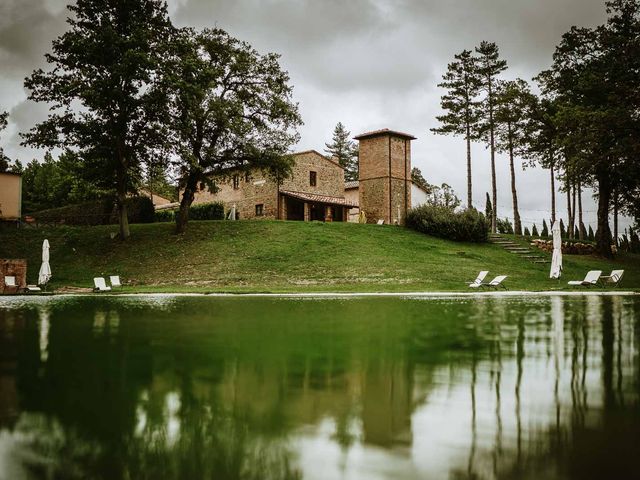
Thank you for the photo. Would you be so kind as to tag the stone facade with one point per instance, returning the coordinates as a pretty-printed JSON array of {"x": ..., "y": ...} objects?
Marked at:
[
  {"x": 258, "y": 196},
  {"x": 385, "y": 175},
  {"x": 316, "y": 189}
]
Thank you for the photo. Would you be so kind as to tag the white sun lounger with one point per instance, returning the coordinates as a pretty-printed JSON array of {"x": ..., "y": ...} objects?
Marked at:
[
  {"x": 497, "y": 282},
  {"x": 614, "y": 279},
  {"x": 115, "y": 281},
  {"x": 100, "y": 285},
  {"x": 477, "y": 283},
  {"x": 591, "y": 279},
  {"x": 10, "y": 282}
]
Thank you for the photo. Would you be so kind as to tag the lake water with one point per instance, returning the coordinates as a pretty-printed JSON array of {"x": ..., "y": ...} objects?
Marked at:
[{"x": 275, "y": 388}]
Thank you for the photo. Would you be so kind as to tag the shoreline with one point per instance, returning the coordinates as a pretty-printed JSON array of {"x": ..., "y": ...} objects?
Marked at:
[{"x": 330, "y": 295}]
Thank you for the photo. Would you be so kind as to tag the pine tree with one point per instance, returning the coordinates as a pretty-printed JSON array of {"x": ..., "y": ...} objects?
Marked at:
[
  {"x": 489, "y": 67},
  {"x": 345, "y": 151},
  {"x": 591, "y": 235},
  {"x": 534, "y": 231},
  {"x": 514, "y": 101},
  {"x": 461, "y": 118},
  {"x": 488, "y": 209},
  {"x": 545, "y": 229}
]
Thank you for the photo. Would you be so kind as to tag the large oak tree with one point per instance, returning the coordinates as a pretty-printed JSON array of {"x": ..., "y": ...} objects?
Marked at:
[
  {"x": 230, "y": 109},
  {"x": 100, "y": 89}
]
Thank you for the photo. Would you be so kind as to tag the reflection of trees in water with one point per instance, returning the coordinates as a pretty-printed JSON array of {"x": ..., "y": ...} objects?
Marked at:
[
  {"x": 187, "y": 392},
  {"x": 592, "y": 345}
]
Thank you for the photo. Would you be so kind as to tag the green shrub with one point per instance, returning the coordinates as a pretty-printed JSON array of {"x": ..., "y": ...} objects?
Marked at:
[
  {"x": 139, "y": 210},
  {"x": 98, "y": 212},
  {"x": 504, "y": 226},
  {"x": 165, "y": 215},
  {"x": 207, "y": 211},
  {"x": 466, "y": 226}
]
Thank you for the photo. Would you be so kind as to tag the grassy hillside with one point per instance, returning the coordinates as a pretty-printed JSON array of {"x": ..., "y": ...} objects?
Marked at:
[{"x": 265, "y": 256}]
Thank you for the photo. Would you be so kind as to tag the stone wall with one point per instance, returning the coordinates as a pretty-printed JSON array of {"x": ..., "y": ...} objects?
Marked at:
[
  {"x": 329, "y": 175},
  {"x": 260, "y": 189},
  {"x": 13, "y": 268},
  {"x": 385, "y": 177},
  {"x": 255, "y": 190}
]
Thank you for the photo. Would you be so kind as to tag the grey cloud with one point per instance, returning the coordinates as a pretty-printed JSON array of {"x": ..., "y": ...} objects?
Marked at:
[{"x": 367, "y": 63}]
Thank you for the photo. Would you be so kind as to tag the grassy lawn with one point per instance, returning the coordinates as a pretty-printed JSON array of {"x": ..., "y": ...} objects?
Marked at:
[{"x": 270, "y": 256}]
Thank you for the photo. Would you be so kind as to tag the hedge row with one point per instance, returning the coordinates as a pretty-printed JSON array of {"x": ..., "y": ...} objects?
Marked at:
[
  {"x": 98, "y": 212},
  {"x": 466, "y": 226},
  {"x": 199, "y": 211}
]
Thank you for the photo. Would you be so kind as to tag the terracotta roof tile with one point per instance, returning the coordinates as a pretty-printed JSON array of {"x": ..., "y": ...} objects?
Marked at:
[
  {"x": 384, "y": 131},
  {"x": 313, "y": 197}
]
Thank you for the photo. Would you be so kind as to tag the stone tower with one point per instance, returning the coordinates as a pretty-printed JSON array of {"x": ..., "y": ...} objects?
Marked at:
[{"x": 384, "y": 163}]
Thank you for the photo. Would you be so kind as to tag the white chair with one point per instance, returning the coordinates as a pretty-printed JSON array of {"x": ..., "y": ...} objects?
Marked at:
[
  {"x": 497, "y": 282},
  {"x": 477, "y": 283},
  {"x": 99, "y": 285},
  {"x": 614, "y": 279},
  {"x": 380, "y": 222},
  {"x": 115, "y": 281},
  {"x": 591, "y": 279},
  {"x": 9, "y": 283}
]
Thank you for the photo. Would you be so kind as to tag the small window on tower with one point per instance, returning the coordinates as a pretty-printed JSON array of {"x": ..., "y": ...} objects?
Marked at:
[
  {"x": 236, "y": 182},
  {"x": 313, "y": 178},
  {"x": 259, "y": 210}
]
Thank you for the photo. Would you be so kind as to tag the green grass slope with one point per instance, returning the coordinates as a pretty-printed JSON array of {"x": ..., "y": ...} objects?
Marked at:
[{"x": 270, "y": 256}]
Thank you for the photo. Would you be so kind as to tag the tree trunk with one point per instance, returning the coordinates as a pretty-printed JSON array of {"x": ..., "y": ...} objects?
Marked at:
[
  {"x": 494, "y": 190},
  {"x": 187, "y": 199},
  {"x": 615, "y": 217},
  {"x": 603, "y": 237},
  {"x": 469, "y": 195},
  {"x": 121, "y": 198},
  {"x": 581, "y": 230},
  {"x": 573, "y": 210},
  {"x": 517, "y": 225},
  {"x": 553, "y": 197},
  {"x": 569, "y": 219}
]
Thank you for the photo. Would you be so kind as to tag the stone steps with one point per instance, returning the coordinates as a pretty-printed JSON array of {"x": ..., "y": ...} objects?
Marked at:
[{"x": 526, "y": 253}]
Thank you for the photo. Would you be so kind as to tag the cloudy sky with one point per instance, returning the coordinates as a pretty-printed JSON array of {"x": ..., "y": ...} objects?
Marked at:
[{"x": 367, "y": 63}]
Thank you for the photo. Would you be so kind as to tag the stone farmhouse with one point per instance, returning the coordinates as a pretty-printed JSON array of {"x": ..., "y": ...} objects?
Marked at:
[{"x": 316, "y": 189}]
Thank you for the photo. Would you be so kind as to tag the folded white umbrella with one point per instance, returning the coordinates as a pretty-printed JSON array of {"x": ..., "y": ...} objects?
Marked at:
[
  {"x": 556, "y": 260},
  {"x": 45, "y": 268}
]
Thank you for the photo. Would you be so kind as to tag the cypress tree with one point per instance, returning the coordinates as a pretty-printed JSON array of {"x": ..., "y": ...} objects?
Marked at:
[
  {"x": 488, "y": 208},
  {"x": 591, "y": 234},
  {"x": 527, "y": 233},
  {"x": 563, "y": 231},
  {"x": 534, "y": 231},
  {"x": 545, "y": 229}
]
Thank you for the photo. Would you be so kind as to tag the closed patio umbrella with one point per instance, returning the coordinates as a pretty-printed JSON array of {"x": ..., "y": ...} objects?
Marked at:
[
  {"x": 556, "y": 260},
  {"x": 45, "y": 268}
]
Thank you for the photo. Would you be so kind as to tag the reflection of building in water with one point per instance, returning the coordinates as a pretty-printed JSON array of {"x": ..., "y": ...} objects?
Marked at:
[
  {"x": 12, "y": 327},
  {"x": 387, "y": 403}
]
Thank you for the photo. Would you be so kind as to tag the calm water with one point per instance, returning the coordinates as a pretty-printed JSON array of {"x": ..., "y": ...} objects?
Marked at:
[{"x": 268, "y": 388}]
